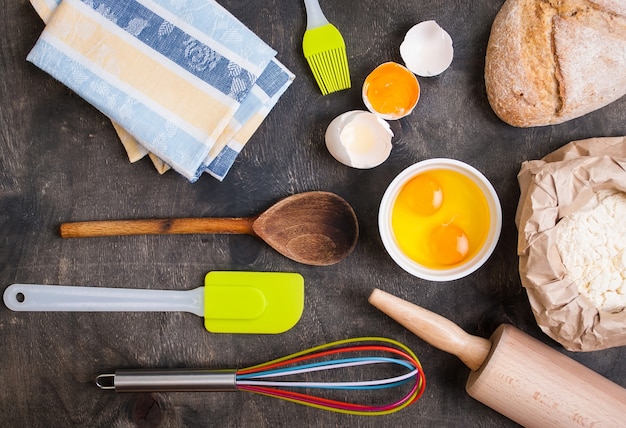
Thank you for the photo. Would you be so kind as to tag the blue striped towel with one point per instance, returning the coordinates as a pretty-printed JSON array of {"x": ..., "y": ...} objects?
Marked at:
[{"x": 184, "y": 78}]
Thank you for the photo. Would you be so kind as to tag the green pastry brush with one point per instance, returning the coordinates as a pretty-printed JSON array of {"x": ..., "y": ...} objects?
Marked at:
[{"x": 325, "y": 51}]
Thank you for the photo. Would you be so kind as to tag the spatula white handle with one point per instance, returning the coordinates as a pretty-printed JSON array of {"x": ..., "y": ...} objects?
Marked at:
[
  {"x": 59, "y": 298},
  {"x": 314, "y": 15}
]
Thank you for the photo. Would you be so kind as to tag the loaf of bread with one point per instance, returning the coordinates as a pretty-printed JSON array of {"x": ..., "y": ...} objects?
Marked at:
[{"x": 550, "y": 61}]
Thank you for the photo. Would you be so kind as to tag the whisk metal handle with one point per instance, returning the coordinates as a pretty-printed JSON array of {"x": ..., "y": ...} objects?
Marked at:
[{"x": 168, "y": 380}]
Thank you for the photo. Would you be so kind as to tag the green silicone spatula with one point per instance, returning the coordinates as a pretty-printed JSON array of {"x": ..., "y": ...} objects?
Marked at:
[{"x": 230, "y": 302}]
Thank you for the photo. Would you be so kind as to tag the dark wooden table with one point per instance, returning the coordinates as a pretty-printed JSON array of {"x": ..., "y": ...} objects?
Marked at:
[{"x": 60, "y": 160}]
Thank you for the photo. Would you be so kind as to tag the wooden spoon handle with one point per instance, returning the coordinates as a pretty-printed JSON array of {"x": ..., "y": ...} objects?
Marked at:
[
  {"x": 86, "y": 229},
  {"x": 434, "y": 329}
]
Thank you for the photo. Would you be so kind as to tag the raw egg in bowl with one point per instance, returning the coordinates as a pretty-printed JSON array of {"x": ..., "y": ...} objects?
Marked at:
[{"x": 440, "y": 219}]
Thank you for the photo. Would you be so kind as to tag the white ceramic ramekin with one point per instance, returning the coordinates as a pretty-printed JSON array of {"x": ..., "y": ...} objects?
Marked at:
[{"x": 387, "y": 233}]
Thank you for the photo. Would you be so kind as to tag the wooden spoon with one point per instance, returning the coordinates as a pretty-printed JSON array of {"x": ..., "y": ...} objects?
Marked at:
[{"x": 313, "y": 228}]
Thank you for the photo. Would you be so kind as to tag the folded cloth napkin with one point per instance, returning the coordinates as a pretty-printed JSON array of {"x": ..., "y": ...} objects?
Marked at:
[{"x": 184, "y": 79}]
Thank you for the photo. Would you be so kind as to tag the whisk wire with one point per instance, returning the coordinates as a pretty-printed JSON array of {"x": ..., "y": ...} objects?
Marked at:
[
  {"x": 369, "y": 385},
  {"x": 336, "y": 364},
  {"x": 248, "y": 379}
]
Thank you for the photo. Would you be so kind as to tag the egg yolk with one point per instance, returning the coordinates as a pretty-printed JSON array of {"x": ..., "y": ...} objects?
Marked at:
[
  {"x": 448, "y": 244},
  {"x": 391, "y": 90},
  {"x": 424, "y": 194},
  {"x": 440, "y": 219}
]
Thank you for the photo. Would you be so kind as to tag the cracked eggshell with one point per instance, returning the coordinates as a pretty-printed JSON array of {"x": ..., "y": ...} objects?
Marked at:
[
  {"x": 427, "y": 49},
  {"x": 359, "y": 139},
  {"x": 391, "y": 91}
]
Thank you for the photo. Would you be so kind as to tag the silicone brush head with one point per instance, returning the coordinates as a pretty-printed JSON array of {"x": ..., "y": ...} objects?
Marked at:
[{"x": 325, "y": 51}]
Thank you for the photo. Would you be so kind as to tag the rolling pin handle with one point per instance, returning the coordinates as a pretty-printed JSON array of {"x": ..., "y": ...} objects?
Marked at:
[{"x": 434, "y": 329}]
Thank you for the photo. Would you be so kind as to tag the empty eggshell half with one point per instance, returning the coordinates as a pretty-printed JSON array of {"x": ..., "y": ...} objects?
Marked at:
[
  {"x": 359, "y": 139},
  {"x": 427, "y": 49}
]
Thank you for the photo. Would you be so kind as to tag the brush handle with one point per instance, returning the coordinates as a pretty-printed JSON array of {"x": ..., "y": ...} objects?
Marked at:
[
  {"x": 434, "y": 329},
  {"x": 314, "y": 15},
  {"x": 87, "y": 229},
  {"x": 62, "y": 298}
]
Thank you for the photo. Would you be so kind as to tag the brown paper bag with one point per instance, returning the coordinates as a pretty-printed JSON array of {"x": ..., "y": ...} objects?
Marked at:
[{"x": 552, "y": 188}]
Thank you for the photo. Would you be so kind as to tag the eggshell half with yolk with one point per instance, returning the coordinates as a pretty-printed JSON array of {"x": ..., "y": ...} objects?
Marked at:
[{"x": 391, "y": 91}]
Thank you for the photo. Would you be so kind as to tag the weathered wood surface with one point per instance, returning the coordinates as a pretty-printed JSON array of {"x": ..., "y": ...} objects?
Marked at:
[{"x": 60, "y": 160}]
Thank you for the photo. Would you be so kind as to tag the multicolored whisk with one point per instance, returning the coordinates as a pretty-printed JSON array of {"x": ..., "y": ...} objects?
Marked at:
[{"x": 290, "y": 377}]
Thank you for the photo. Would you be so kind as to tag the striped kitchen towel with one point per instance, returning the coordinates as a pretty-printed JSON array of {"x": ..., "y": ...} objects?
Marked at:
[{"x": 184, "y": 79}]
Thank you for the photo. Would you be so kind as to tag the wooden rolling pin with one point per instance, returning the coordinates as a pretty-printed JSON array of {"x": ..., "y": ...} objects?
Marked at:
[{"x": 515, "y": 374}]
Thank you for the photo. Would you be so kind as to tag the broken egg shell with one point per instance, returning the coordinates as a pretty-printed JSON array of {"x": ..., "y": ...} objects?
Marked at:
[
  {"x": 391, "y": 91},
  {"x": 359, "y": 139},
  {"x": 427, "y": 49}
]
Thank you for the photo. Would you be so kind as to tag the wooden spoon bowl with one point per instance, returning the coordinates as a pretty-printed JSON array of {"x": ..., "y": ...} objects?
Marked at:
[{"x": 314, "y": 228}]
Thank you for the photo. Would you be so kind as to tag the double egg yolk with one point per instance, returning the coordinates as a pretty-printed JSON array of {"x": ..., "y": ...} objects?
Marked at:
[{"x": 440, "y": 218}]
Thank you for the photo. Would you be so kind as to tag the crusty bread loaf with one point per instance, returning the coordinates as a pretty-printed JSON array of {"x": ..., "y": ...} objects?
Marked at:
[{"x": 549, "y": 61}]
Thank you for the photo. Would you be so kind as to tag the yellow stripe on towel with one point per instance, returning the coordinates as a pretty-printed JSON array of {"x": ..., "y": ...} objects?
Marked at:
[
  {"x": 183, "y": 99},
  {"x": 44, "y": 8}
]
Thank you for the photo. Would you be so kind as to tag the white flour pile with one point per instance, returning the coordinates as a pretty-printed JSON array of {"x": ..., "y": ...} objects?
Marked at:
[{"x": 592, "y": 245}]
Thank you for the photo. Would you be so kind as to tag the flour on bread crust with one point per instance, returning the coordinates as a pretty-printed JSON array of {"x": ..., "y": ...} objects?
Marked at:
[{"x": 551, "y": 61}]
